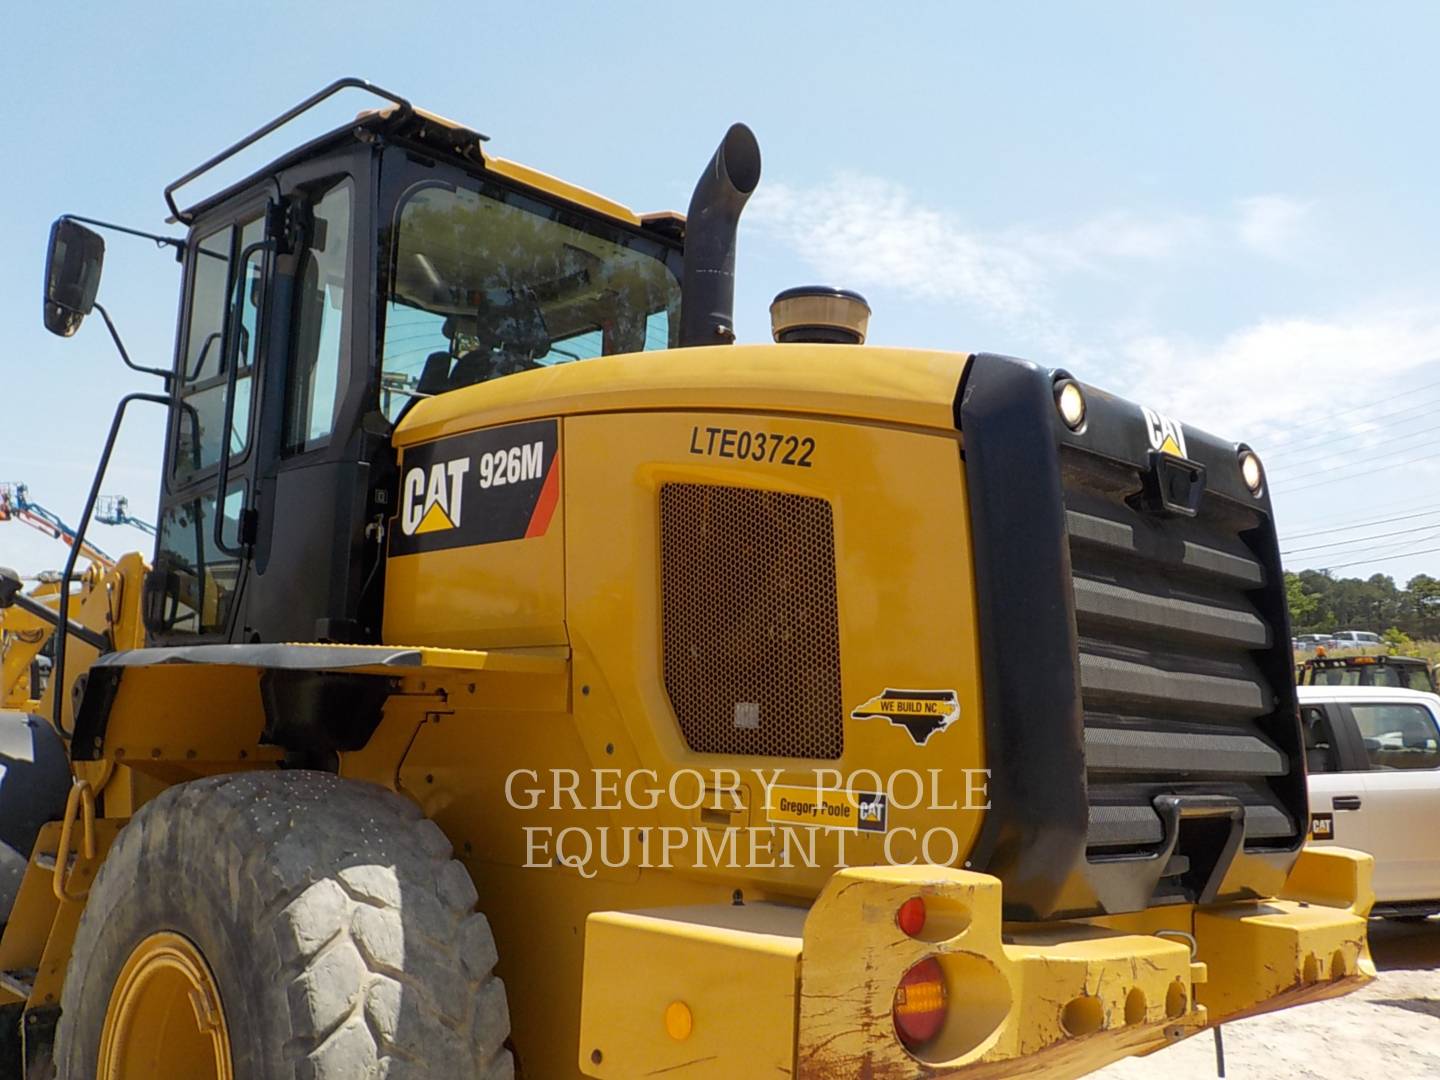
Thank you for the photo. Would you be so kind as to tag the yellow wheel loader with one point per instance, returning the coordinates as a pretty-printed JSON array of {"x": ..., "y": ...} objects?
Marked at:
[
  {"x": 25, "y": 633},
  {"x": 530, "y": 680}
]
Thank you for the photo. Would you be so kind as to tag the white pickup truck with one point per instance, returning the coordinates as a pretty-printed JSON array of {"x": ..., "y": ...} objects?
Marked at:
[{"x": 1373, "y": 755}]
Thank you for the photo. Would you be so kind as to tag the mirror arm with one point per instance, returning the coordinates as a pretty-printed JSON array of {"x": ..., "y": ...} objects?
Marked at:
[
  {"x": 124, "y": 355},
  {"x": 160, "y": 241}
]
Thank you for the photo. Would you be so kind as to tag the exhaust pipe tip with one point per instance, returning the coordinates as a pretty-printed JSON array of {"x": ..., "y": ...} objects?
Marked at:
[
  {"x": 707, "y": 313},
  {"x": 738, "y": 159}
]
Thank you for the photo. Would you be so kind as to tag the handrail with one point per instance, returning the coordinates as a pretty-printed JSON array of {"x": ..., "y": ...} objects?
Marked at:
[
  {"x": 58, "y": 689},
  {"x": 230, "y": 356},
  {"x": 79, "y": 803},
  {"x": 348, "y": 83}
]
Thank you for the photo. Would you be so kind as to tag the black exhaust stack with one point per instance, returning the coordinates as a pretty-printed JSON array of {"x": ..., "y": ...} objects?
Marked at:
[{"x": 707, "y": 307}]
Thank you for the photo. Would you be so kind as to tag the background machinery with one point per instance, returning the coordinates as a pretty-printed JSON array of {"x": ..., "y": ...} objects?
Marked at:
[
  {"x": 115, "y": 510},
  {"x": 16, "y": 505},
  {"x": 25, "y": 659},
  {"x": 529, "y": 678}
]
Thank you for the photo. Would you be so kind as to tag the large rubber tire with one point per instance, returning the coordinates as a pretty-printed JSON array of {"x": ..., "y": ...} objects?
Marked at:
[
  {"x": 34, "y": 780},
  {"x": 341, "y": 935}
]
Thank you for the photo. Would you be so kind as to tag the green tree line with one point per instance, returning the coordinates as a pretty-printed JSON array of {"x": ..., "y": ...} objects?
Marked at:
[{"x": 1321, "y": 603}]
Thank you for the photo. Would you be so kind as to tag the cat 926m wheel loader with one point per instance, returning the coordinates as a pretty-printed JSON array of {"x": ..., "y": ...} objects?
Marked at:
[{"x": 529, "y": 679}]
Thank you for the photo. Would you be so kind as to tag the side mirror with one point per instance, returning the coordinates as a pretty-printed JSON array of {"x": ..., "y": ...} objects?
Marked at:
[{"x": 72, "y": 275}]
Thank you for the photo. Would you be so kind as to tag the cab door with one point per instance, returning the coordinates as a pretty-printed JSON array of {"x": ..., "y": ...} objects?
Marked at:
[
  {"x": 199, "y": 572},
  {"x": 1335, "y": 770},
  {"x": 314, "y": 475},
  {"x": 1401, "y": 796},
  {"x": 262, "y": 533}
]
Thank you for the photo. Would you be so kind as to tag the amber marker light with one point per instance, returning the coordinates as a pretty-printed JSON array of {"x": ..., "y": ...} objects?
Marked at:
[
  {"x": 920, "y": 1004},
  {"x": 679, "y": 1021}
]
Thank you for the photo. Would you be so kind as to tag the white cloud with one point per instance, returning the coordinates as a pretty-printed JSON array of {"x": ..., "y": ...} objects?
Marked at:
[
  {"x": 1273, "y": 225},
  {"x": 1276, "y": 379},
  {"x": 874, "y": 233},
  {"x": 1126, "y": 236},
  {"x": 1120, "y": 235},
  {"x": 1266, "y": 379},
  {"x": 1300, "y": 386}
]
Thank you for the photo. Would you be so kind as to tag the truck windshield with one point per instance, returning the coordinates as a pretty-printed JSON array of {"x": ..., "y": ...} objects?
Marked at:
[{"x": 486, "y": 282}]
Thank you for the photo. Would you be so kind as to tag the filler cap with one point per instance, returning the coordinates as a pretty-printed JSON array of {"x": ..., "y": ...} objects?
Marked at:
[{"x": 820, "y": 313}]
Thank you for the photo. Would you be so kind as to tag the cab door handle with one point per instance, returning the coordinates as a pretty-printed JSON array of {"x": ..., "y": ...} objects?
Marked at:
[{"x": 1345, "y": 802}]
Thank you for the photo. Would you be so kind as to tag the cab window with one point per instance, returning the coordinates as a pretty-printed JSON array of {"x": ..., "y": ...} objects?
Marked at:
[
  {"x": 216, "y": 338},
  {"x": 485, "y": 282},
  {"x": 1320, "y": 756},
  {"x": 198, "y": 579},
  {"x": 319, "y": 359},
  {"x": 1398, "y": 736},
  {"x": 1414, "y": 677}
]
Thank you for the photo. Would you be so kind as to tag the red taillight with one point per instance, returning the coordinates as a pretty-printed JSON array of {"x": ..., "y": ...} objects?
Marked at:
[
  {"x": 920, "y": 1003},
  {"x": 911, "y": 916}
]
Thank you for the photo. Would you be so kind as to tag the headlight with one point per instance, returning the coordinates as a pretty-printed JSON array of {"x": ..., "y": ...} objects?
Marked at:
[
  {"x": 1071, "y": 403},
  {"x": 1251, "y": 472}
]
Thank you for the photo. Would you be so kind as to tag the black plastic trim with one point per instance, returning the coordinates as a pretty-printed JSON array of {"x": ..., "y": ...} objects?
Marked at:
[
  {"x": 1033, "y": 837},
  {"x": 318, "y": 713}
]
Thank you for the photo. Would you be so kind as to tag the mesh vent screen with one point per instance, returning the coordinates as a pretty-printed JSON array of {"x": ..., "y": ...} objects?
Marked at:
[{"x": 749, "y": 621}]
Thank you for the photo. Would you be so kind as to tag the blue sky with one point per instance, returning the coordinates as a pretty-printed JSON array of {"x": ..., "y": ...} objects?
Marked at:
[{"x": 1226, "y": 212}]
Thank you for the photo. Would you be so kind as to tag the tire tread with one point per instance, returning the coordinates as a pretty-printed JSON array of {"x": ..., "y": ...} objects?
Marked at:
[{"x": 334, "y": 871}]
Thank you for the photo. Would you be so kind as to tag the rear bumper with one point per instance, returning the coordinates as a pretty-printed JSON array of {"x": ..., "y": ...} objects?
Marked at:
[{"x": 771, "y": 990}]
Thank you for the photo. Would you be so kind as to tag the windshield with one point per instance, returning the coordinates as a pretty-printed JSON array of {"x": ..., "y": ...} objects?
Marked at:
[{"x": 487, "y": 282}]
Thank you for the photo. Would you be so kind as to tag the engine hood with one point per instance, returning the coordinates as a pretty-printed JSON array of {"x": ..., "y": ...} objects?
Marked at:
[{"x": 912, "y": 387}]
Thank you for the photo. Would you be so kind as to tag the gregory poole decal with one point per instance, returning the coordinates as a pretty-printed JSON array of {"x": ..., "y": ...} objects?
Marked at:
[
  {"x": 827, "y": 808},
  {"x": 920, "y": 712},
  {"x": 478, "y": 488}
]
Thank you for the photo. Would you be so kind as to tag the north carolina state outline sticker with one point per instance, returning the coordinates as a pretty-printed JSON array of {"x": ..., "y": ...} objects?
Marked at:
[{"x": 922, "y": 713}]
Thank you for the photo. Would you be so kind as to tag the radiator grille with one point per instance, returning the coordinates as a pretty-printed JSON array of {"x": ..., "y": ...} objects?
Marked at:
[
  {"x": 1169, "y": 634},
  {"x": 749, "y": 621}
]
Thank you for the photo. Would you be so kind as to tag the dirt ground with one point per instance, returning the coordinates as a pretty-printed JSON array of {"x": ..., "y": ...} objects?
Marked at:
[{"x": 1388, "y": 1031}]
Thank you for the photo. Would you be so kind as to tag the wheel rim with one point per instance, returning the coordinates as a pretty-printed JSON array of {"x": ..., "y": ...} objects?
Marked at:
[{"x": 165, "y": 1016}]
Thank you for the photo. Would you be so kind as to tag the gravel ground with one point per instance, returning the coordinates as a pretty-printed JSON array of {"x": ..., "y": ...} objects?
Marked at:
[{"x": 1388, "y": 1031}]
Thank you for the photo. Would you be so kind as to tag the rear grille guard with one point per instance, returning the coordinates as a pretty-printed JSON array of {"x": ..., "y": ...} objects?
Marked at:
[{"x": 1140, "y": 711}]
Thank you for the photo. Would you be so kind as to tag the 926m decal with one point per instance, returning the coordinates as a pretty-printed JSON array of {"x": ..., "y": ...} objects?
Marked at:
[
  {"x": 743, "y": 444},
  {"x": 478, "y": 488}
]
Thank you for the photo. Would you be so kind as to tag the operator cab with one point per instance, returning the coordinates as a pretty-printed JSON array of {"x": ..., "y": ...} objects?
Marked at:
[
  {"x": 1402, "y": 672},
  {"x": 385, "y": 262}
]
